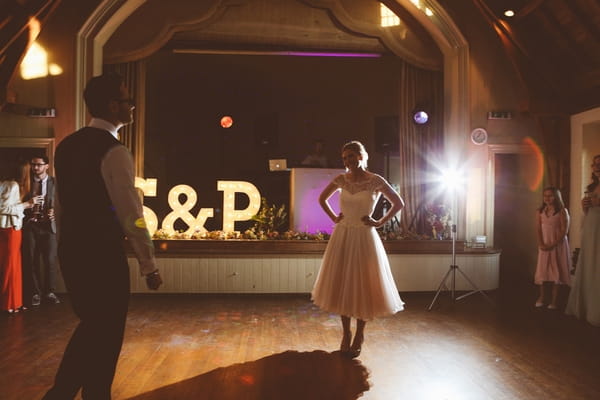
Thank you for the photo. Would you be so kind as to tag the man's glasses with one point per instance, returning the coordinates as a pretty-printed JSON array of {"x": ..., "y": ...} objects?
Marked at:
[{"x": 38, "y": 164}]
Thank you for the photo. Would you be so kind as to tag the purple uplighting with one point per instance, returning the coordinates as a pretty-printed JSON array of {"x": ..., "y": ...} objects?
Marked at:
[
  {"x": 321, "y": 54},
  {"x": 307, "y": 185}
]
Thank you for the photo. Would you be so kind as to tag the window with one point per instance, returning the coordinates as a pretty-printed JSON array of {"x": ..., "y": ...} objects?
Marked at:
[{"x": 388, "y": 18}]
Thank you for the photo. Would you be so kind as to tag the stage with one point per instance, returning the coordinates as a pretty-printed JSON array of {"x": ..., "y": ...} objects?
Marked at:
[{"x": 291, "y": 266}]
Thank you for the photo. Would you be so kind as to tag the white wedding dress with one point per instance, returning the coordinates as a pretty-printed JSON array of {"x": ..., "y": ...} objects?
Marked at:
[
  {"x": 584, "y": 298},
  {"x": 355, "y": 279}
]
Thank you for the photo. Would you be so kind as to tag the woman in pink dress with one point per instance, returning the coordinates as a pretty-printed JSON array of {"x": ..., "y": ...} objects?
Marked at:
[
  {"x": 554, "y": 256},
  {"x": 355, "y": 280}
]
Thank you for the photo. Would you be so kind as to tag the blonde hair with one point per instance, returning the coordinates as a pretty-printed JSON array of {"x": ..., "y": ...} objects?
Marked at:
[{"x": 358, "y": 148}]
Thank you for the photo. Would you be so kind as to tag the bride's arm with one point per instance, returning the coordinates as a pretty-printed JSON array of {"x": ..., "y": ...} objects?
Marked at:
[{"x": 325, "y": 195}]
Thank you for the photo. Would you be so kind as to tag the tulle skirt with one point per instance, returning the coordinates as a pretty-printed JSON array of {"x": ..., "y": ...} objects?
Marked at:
[
  {"x": 355, "y": 279},
  {"x": 584, "y": 298}
]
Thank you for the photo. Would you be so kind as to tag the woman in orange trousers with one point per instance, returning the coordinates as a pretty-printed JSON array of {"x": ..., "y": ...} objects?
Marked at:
[{"x": 14, "y": 181}]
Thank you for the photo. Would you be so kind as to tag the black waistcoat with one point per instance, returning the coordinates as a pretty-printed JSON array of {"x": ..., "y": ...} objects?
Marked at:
[{"x": 86, "y": 211}]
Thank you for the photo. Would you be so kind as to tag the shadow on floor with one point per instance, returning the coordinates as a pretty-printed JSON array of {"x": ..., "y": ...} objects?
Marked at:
[{"x": 290, "y": 375}]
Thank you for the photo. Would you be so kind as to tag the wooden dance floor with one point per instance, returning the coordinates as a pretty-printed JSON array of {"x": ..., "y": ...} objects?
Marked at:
[{"x": 263, "y": 347}]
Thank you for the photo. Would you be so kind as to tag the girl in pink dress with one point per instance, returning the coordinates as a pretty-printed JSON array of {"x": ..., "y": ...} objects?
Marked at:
[{"x": 554, "y": 256}]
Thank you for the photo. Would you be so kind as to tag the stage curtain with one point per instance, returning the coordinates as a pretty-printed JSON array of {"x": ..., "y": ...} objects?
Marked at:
[
  {"x": 132, "y": 135},
  {"x": 420, "y": 145}
]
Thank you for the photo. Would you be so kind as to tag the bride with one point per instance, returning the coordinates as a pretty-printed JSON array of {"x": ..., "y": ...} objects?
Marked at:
[{"x": 355, "y": 280}]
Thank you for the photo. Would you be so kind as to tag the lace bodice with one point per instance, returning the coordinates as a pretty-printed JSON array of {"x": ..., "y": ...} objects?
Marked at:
[
  {"x": 372, "y": 184},
  {"x": 358, "y": 199}
]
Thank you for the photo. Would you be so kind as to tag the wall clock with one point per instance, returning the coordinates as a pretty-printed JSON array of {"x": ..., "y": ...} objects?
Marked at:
[{"x": 479, "y": 136}]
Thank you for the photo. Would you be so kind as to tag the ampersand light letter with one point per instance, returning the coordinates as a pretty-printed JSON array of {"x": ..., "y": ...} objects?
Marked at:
[{"x": 181, "y": 211}]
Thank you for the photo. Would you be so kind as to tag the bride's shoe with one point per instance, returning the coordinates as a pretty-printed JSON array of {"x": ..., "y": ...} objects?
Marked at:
[
  {"x": 356, "y": 347},
  {"x": 345, "y": 346}
]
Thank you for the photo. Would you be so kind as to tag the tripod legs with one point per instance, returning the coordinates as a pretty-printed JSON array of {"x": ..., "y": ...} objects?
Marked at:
[{"x": 451, "y": 273}]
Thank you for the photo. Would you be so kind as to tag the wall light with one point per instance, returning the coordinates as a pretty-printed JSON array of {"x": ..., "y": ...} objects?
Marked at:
[{"x": 35, "y": 63}]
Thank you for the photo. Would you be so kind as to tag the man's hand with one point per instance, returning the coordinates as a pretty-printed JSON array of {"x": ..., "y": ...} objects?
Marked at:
[{"x": 153, "y": 280}]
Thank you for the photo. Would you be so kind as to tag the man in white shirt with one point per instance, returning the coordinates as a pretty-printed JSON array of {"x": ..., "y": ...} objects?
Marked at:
[
  {"x": 317, "y": 157},
  {"x": 97, "y": 206}
]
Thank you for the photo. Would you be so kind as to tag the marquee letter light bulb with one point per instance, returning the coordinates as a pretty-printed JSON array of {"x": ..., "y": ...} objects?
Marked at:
[
  {"x": 151, "y": 220},
  {"x": 230, "y": 214},
  {"x": 148, "y": 186}
]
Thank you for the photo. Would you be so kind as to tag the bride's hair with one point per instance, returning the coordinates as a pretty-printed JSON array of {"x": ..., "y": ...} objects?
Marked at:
[{"x": 358, "y": 148}]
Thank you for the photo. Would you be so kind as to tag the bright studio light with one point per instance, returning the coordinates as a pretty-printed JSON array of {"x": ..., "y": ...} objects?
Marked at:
[{"x": 452, "y": 179}]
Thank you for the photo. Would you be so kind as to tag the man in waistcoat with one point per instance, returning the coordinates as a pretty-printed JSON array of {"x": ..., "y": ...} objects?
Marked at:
[
  {"x": 97, "y": 206},
  {"x": 39, "y": 238}
]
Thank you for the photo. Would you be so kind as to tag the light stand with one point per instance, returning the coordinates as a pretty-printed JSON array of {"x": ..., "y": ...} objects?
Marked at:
[
  {"x": 451, "y": 273},
  {"x": 389, "y": 226}
]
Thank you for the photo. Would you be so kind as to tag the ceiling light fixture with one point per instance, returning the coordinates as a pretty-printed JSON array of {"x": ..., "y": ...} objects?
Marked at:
[{"x": 509, "y": 13}]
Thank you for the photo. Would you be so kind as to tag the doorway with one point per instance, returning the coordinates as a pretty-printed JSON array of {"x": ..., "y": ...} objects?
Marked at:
[{"x": 515, "y": 232}]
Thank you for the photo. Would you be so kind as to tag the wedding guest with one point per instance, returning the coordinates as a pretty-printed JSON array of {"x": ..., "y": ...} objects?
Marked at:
[
  {"x": 584, "y": 298},
  {"x": 317, "y": 157},
  {"x": 14, "y": 183},
  {"x": 97, "y": 206},
  {"x": 554, "y": 256},
  {"x": 355, "y": 280},
  {"x": 39, "y": 238}
]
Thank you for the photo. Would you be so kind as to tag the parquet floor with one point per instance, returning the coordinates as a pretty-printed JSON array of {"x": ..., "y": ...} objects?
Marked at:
[{"x": 263, "y": 347}]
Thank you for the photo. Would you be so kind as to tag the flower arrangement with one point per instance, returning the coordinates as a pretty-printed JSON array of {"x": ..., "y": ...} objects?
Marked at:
[
  {"x": 401, "y": 235},
  {"x": 269, "y": 218},
  {"x": 437, "y": 217}
]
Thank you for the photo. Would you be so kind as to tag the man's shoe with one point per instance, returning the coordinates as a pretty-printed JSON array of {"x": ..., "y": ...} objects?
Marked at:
[
  {"x": 52, "y": 298},
  {"x": 35, "y": 300}
]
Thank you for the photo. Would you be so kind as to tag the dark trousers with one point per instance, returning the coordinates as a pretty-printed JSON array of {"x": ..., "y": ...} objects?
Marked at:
[
  {"x": 97, "y": 280},
  {"x": 39, "y": 260}
]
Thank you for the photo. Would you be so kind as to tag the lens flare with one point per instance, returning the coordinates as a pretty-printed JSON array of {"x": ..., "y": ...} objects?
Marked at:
[{"x": 533, "y": 164}]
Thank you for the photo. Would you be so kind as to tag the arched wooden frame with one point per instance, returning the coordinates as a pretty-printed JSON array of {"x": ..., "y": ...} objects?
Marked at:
[{"x": 111, "y": 13}]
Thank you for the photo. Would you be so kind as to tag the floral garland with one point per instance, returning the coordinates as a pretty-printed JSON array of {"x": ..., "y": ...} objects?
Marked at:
[
  {"x": 249, "y": 234},
  {"x": 271, "y": 218},
  {"x": 252, "y": 234}
]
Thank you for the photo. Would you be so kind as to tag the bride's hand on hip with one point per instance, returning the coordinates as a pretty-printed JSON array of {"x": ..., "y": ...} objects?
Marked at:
[{"x": 367, "y": 220}]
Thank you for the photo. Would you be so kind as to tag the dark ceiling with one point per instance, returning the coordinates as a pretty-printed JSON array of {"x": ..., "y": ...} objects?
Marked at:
[{"x": 555, "y": 46}]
